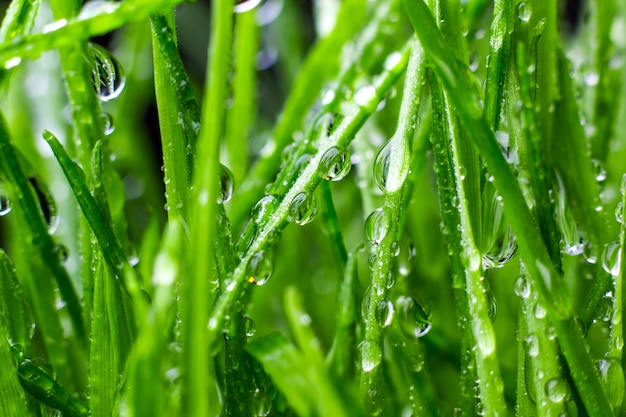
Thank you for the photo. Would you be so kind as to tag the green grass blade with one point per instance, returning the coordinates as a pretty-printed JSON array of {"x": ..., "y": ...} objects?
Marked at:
[
  {"x": 41, "y": 239},
  {"x": 454, "y": 77},
  {"x": 308, "y": 388},
  {"x": 12, "y": 400},
  {"x": 18, "y": 317}
]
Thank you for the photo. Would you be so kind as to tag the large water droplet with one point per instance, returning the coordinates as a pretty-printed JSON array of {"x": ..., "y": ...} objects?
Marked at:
[
  {"x": 371, "y": 355},
  {"x": 498, "y": 239},
  {"x": 364, "y": 95},
  {"x": 572, "y": 240},
  {"x": 260, "y": 268},
  {"x": 556, "y": 390},
  {"x": 106, "y": 72},
  {"x": 376, "y": 226},
  {"x": 413, "y": 320},
  {"x": 524, "y": 11},
  {"x": 227, "y": 184},
  {"x": 264, "y": 208},
  {"x": 249, "y": 326},
  {"x": 385, "y": 312},
  {"x": 522, "y": 288},
  {"x": 302, "y": 209},
  {"x": 242, "y": 6},
  {"x": 335, "y": 164},
  {"x": 381, "y": 166},
  {"x": 611, "y": 258}
]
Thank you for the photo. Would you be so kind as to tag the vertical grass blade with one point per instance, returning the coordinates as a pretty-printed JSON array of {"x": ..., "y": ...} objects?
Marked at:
[{"x": 12, "y": 400}]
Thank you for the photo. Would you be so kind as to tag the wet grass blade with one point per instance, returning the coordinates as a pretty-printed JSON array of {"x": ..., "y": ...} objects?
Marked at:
[{"x": 12, "y": 399}]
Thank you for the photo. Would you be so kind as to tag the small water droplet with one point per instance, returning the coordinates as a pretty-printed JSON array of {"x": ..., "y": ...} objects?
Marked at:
[
  {"x": 302, "y": 209},
  {"x": 371, "y": 355},
  {"x": 532, "y": 345},
  {"x": 227, "y": 184},
  {"x": 335, "y": 164},
  {"x": 5, "y": 205},
  {"x": 556, "y": 390},
  {"x": 106, "y": 120},
  {"x": 13, "y": 62},
  {"x": 260, "y": 268},
  {"x": 598, "y": 170},
  {"x": 591, "y": 79},
  {"x": 611, "y": 258},
  {"x": 413, "y": 320},
  {"x": 364, "y": 95},
  {"x": 385, "y": 312},
  {"x": 249, "y": 326},
  {"x": 107, "y": 73},
  {"x": 242, "y": 6},
  {"x": 622, "y": 186},
  {"x": 492, "y": 306},
  {"x": 376, "y": 226},
  {"x": 264, "y": 208},
  {"x": 522, "y": 288},
  {"x": 619, "y": 212},
  {"x": 524, "y": 11},
  {"x": 589, "y": 252},
  {"x": 540, "y": 311}
]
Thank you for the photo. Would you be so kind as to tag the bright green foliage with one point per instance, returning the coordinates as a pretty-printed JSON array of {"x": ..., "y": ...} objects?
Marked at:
[{"x": 394, "y": 208}]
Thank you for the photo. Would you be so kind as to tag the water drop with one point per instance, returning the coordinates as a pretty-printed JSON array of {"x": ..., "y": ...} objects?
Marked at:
[
  {"x": 371, "y": 355},
  {"x": 532, "y": 345},
  {"x": 264, "y": 208},
  {"x": 522, "y": 288},
  {"x": 5, "y": 205},
  {"x": 385, "y": 312},
  {"x": 376, "y": 226},
  {"x": 619, "y": 212},
  {"x": 499, "y": 240},
  {"x": 591, "y": 79},
  {"x": 242, "y": 6},
  {"x": 589, "y": 252},
  {"x": 612, "y": 258},
  {"x": 302, "y": 209},
  {"x": 381, "y": 166},
  {"x": 13, "y": 62},
  {"x": 598, "y": 170},
  {"x": 540, "y": 311},
  {"x": 492, "y": 306},
  {"x": 622, "y": 187},
  {"x": 106, "y": 120},
  {"x": 395, "y": 248},
  {"x": 106, "y": 72},
  {"x": 323, "y": 125},
  {"x": 374, "y": 401},
  {"x": 413, "y": 320},
  {"x": 364, "y": 95},
  {"x": 556, "y": 390},
  {"x": 524, "y": 11},
  {"x": 260, "y": 268},
  {"x": 335, "y": 164},
  {"x": 249, "y": 326},
  {"x": 406, "y": 256},
  {"x": 227, "y": 182}
]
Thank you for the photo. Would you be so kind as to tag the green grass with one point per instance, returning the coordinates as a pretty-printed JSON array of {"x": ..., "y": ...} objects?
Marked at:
[{"x": 394, "y": 208}]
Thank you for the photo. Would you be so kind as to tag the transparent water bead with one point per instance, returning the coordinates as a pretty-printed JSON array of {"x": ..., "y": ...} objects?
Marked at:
[
  {"x": 556, "y": 390},
  {"x": 302, "y": 209},
  {"x": 406, "y": 255},
  {"x": 335, "y": 164},
  {"x": 249, "y": 326},
  {"x": 385, "y": 312},
  {"x": 260, "y": 268},
  {"x": 5, "y": 205},
  {"x": 381, "y": 166},
  {"x": 413, "y": 320},
  {"x": 371, "y": 355},
  {"x": 522, "y": 288},
  {"x": 264, "y": 208},
  {"x": 227, "y": 184},
  {"x": 611, "y": 258},
  {"x": 598, "y": 170},
  {"x": 524, "y": 11},
  {"x": 376, "y": 226},
  {"x": 619, "y": 212},
  {"x": 106, "y": 121},
  {"x": 242, "y": 6},
  {"x": 106, "y": 72}
]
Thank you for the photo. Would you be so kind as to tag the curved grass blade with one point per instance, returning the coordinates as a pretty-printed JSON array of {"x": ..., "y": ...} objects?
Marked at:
[
  {"x": 553, "y": 293},
  {"x": 12, "y": 400},
  {"x": 15, "y": 310}
]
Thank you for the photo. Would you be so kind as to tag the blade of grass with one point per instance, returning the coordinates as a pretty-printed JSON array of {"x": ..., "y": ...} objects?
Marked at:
[
  {"x": 41, "y": 239},
  {"x": 16, "y": 311},
  {"x": 553, "y": 293},
  {"x": 12, "y": 398}
]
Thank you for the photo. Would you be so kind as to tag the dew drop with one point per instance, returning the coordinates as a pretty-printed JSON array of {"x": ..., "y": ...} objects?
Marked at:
[
  {"x": 598, "y": 170},
  {"x": 371, "y": 355},
  {"x": 364, "y": 95},
  {"x": 249, "y": 326},
  {"x": 395, "y": 248},
  {"x": 106, "y": 120},
  {"x": 376, "y": 226},
  {"x": 264, "y": 208},
  {"x": 242, "y": 6},
  {"x": 260, "y": 268},
  {"x": 5, "y": 205},
  {"x": 492, "y": 306},
  {"x": 622, "y": 187},
  {"x": 413, "y": 320},
  {"x": 522, "y": 289},
  {"x": 385, "y": 312},
  {"x": 302, "y": 209},
  {"x": 227, "y": 182},
  {"x": 556, "y": 390},
  {"x": 589, "y": 252},
  {"x": 374, "y": 402},
  {"x": 591, "y": 79},
  {"x": 406, "y": 256},
  {"x": 540, "y": 311},
  {"x": 335, "y": 164},
  {"x": 107, "y": 73},
  {"x": 524, "y": 11},
  {"x": 381, "y": 166},
  {"x": 611, "y": 258},
  {"x": 532, "y": 345},
  {"x": 619, "y": 212}
]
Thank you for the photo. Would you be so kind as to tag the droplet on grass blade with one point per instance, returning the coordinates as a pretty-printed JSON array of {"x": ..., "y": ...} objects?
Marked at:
[
  {"x": 556, "y": 390},
  {"x": 5, "y": 205},
  {"x": 619, "y": 212},
  {"x": 106, "y": 120},
  {"x": 260, "y": 268},
  {"x": 242, "y": 6},
  {"x": 302, "y": 209},
  {"x": 335, "y": 164},
  {"x": 524, "y": 11},
  {"x": 249, "y": 326},
  {"x": 227, "y": 184},
  {"x": 107, "y": 73},
  {"x": 385, "y": 312},
  {"x": 376, "y": 226},
  {"x": 611, "y": 258},
  {"x": 413, "y": 320},
  {"x": 264, "y": 208}
]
